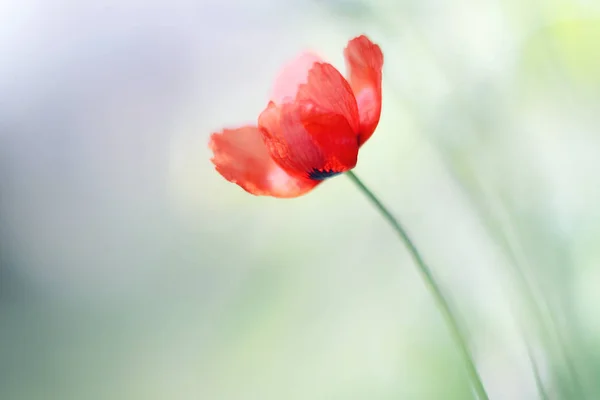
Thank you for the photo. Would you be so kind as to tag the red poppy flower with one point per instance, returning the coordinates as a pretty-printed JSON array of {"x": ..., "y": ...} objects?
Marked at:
[{"x": 311, "y": 129}]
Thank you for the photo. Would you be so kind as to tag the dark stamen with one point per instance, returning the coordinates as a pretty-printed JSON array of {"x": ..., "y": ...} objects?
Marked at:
[{"x": 319, "y": 175}]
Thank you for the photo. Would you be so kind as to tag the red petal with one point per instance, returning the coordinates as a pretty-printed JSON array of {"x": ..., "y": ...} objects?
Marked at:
[
  {"x": 327, "y": 91},
  {"x": 292, "y": 76},
  {"x": 287, "y": 141},
  {"x": 241, "y": 156},
  {"x": 304, "y": 140},
  {"x": 364, "y": 61},
  {"x": 318, "y": 132}
]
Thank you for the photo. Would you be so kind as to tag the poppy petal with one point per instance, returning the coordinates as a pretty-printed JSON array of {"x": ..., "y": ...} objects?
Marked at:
[
  {"x": 287, "y": 141},
  {"x": 327, "y": 91},
  {"x": 364, "y": 61},
  {"x": 241, "y": 157},
  {"x": 307, "y": 141},
  {"x": 292, "y": 76}
]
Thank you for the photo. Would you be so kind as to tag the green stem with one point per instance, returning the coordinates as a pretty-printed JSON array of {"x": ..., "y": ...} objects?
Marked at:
[{"x": 433, "y": 287}]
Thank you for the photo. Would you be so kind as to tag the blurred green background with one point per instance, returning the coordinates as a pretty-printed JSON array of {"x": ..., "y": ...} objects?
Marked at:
[{"x": 129, "y": 269}]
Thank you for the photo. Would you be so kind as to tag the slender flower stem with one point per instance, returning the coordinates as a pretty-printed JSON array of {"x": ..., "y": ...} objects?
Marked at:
[{"x": 433, "y": 287}]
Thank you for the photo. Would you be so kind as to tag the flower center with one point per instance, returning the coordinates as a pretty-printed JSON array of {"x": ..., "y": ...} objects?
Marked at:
[{"x": 319, "y": 175}]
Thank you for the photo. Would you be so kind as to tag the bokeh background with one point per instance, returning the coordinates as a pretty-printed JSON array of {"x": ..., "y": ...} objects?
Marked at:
[{"x": 129, "y": 269}]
